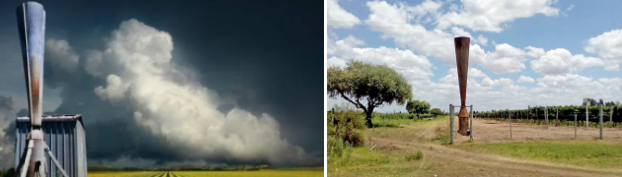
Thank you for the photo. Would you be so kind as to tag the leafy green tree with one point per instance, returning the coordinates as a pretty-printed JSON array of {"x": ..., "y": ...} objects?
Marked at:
[
  {"x": 368, "y": 86},
  {"x": 8, "y": 173},
  {"x": 593, "y": 102},
  {"x": 417, "y": 107},
  {"x": 436, "y": 112}
]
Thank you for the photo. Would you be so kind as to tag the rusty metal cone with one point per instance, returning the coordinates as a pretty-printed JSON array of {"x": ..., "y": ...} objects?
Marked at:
[{"x": 462, "y": 60}]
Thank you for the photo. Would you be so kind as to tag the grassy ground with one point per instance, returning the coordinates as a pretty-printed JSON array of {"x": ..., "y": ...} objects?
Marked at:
[
  {"x": 583, "y": 153},
  {"x": 399, "y": 140},
  {"x": 364, "y": 162}
]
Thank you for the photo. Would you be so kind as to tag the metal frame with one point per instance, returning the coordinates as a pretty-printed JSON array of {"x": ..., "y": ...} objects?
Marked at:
[{"x": 451, "y": 123}]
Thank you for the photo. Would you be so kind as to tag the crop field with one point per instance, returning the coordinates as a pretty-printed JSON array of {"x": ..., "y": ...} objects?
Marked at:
[{"x": 258, "y": 173}]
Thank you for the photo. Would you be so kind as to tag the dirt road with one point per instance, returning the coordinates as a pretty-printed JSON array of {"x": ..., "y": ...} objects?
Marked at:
[{"x": 457, "y": 162}]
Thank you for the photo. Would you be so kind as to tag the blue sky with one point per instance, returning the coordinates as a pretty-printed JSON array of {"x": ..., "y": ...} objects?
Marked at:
[{"x": 563, "y": 50}]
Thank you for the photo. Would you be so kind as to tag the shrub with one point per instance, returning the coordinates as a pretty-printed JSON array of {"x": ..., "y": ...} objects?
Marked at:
[
  {"x": 436, "y": 112},
  {"x": 346, "y": 124},
  {"x": 413, "y": 156},
  {"x": 336, "y": 147}
]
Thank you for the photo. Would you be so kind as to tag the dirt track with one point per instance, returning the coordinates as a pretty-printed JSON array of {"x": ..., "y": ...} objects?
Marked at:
[{"x": 456, "y": 162}]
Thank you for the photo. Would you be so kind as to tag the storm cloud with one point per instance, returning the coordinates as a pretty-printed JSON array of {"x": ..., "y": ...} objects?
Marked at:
[{"x": 154, "y": 90}]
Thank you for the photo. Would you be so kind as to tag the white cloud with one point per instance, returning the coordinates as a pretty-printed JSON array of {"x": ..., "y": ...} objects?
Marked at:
[
  {"x": 525, "y": 79},
  {"x": 61, "y": 54},
  {"x": 115, "y": 88},
  {"x": 607, "y": 46},
  {"x": 490, "y": 15},
  {"x": 505, "y": 58},
  {"x": 392, "y": 21},
  {"x": 337, "y": 62},
  {"x": 561, "y": 61},
  {"x": 535, "y": 52},
  {"x": 565, "y": 12},
  {"x": 482, "y": 40},
  {"x": 186, "y": 114},
  {"x": 337, "y": 17},
  {"x": 452, "y": 75},
  {"x": 414, "y": 66},
  {"x": 459, "y": 32}
]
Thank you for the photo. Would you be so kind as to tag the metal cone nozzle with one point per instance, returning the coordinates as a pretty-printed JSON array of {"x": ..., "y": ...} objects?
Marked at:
[{"x": 462, "y": 62}]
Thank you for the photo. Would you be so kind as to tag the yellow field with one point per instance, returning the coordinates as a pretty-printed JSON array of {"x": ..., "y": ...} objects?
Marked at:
[{"x": 261, "y": 173}]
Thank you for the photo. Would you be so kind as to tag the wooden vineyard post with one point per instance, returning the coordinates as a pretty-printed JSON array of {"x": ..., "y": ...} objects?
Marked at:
[
  {"x": 575, "y": 126},
  {"x": 611, "y": 117},
  {"x": 546, "y": 116},
  {"x": 601, "y": 119},
  {"x": 471, "y": 124},
  {"x": 451, "y": 124},
  {"x": 536, "y": 119},
  {"x": 510, "y": 117},
  {"x": 528, "y": 112},
  {"x": 557, "y": 117},
  {"x": 587, "y": 121}
]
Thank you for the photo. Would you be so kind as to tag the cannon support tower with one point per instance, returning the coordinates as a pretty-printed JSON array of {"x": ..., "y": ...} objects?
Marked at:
[{"x": 31, "y": 25}]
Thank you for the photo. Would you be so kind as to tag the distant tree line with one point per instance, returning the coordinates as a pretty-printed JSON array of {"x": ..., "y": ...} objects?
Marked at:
[
  {"x": 182, "y": 168},
  {"x": 565, "y": 113}
]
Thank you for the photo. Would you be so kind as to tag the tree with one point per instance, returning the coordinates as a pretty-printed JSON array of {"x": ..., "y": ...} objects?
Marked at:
[
  {"x": 436, "y": 112},
  {"x": 593, "y": 102},
  {"x": 417, "y": 107},
  {"x": 8, "y": 173},
  {"x": 368, "y": 86}
]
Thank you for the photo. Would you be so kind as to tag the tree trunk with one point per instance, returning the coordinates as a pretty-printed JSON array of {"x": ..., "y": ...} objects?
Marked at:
[
  {"x": 368, "y": 119},
  {"x": 368, "y": 113}
]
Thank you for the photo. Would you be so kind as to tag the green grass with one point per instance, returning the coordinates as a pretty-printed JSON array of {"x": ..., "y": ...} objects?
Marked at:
[
  {"x": 578, "y": 153},
  {"x": 363, "y": 162},
  {"x": 392, "y": 123}
]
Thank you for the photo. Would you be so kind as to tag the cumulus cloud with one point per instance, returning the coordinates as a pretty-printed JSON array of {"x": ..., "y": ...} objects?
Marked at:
[
  {"x": 482, "y": 40},
  {"x": 337, "y": 17},
  {"x": 560, "y": 61},
  {"x": 452, "y": 75},
  {"x": 62, "y": 54},
  {"x": 505, "y": 58},
  {"x": 525, "y": 79},
  {"x": 337, "y": 62},
  {"x": 393, "y": 21},
  {"x": 170, "y": 115},
  {"x": 416, "y": 67},
  {"x": 186, "y": 114},
  {"x": 490, "y": 15},
  {"x": 534, "y": 52},
  {"x": 607, "y": 46}
]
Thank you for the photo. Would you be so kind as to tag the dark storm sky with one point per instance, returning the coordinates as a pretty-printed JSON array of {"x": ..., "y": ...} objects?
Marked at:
[{"x": 271, "y": 48}]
